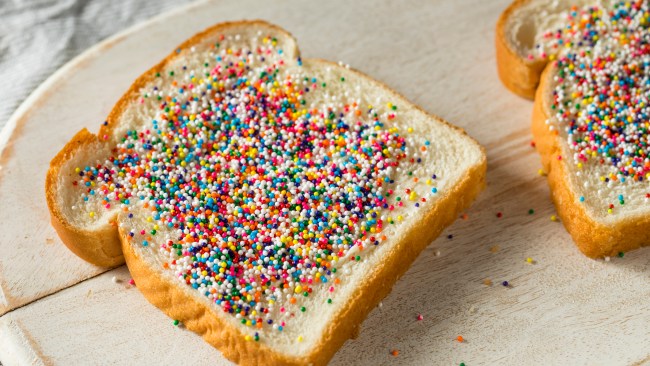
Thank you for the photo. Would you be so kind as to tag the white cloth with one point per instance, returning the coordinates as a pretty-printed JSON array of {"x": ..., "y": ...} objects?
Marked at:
[{"x": 39, "y": 36}]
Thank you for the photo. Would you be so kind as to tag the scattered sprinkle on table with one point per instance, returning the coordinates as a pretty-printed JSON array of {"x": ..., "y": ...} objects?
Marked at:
[{"x": 487, "y": 282}]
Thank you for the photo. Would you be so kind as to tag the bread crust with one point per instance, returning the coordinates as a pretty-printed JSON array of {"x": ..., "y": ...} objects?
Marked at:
[
  {"x": 519, "y": 75},
  {"x": 594, "y": 239},
  {"x": 208, "y": 321}
]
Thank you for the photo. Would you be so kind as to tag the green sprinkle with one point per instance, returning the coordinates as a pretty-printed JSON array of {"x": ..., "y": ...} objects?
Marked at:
[
  {"x": 303, "y": 309},
  {"x": 342, "y": 79},
  {"x": 171, "y": 73},
  {"x": 531, "y": 211},
  {"x": 329, "y": 301},
  {"x": 324, "y": 85},
  {"x": 621, "y": 254},
  {"x": 358, "y": 258},
  {"x": 394, "y": 107},
  {"x": 176, "y": 322}
]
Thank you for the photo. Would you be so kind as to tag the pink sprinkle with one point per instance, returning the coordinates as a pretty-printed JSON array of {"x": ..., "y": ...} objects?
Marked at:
[
  {"x": 132, "y": 282},
  {"x": 420, "y": 317}
]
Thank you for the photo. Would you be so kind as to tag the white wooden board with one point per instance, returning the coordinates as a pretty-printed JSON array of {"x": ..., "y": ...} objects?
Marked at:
[{"x": 565, "y": 308}]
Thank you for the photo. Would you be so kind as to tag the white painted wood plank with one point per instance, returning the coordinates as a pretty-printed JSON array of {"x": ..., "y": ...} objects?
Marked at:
[
  {"x": 78, "y": 320},
  {"x": 565, "y": 308}
]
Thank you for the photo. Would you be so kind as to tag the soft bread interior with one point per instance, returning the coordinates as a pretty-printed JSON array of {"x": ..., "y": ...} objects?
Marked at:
[{"x": 450, "y": 156}]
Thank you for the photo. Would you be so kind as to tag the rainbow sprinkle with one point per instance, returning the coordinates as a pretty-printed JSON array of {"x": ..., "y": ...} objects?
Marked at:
[
  {"x": 252, "y": 191},
  {"x": 602, "y": 61}
]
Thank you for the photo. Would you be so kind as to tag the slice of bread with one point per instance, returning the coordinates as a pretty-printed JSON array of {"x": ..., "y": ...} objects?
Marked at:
[
  {"x": 598, "y": 170},
  {"x": 266, "y": 202}
]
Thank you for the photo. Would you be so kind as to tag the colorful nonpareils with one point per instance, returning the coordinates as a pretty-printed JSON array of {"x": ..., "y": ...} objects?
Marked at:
[{"x": 252, "y": 189}]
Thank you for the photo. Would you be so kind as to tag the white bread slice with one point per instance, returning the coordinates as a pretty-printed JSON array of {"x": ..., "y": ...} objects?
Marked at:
[
  {"x": 366, "y": 275},
  {"x": 582, "y": 199}
]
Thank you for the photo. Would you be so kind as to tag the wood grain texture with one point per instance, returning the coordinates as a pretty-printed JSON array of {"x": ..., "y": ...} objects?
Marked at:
[{"x": 564, "y": 308}]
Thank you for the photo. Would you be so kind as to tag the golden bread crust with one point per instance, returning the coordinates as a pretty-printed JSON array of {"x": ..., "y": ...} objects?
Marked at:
[{"x": 519, "y": 75}]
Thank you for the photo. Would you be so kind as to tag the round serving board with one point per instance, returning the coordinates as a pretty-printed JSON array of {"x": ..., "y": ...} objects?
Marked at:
[{"x": 561, "y": 309}]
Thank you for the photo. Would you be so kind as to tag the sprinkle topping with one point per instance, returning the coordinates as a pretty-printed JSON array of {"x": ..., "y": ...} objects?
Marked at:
[{"x": 254, "y": 189}]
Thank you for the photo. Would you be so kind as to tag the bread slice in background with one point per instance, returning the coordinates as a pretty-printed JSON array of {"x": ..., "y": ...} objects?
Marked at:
[
  {"x": 581, "y": 198},
  {"x": 451, "y": 171}
]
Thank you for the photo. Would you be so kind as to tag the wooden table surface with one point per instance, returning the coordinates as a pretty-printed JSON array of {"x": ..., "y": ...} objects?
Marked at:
[{"x": 562, "y": 309}]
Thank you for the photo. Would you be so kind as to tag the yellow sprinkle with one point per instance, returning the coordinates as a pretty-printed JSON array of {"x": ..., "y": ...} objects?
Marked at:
[
  {"x": 541, "y": 172},
  {"x": 529, "y": 260},
  {"x": 299, "y": 338},
  {"x": 412, "y": 196},
  {"x": 609, "y": 210},
  {"x": 410, "y": 129},
  {"x": 553, "y": 218},
  {"x": 399, "y": 218},
  {"x": 92, "y": 214},
  {"x": 248, "y": 338},
  {"x": 487, "y": 282},
  {"x": 298, "y": 289}
]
